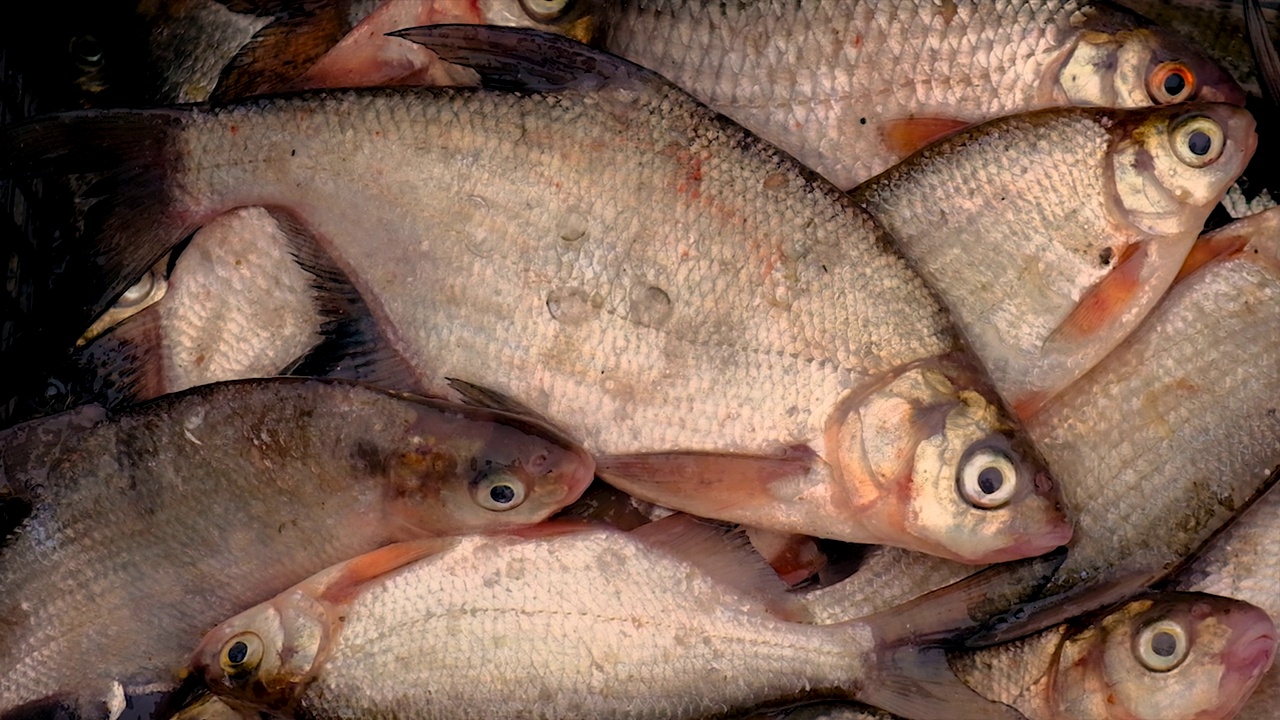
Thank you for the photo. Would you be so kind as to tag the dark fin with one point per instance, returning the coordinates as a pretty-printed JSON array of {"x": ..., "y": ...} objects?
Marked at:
[
  {"x": 125, "y": 363},
  {"x": 912, "y": 677},
  {"x": 602, "y": 503},
  {"x": 795, "y": 558},
  {"x": 723, "y": 486},
  {"x": 343, "y": 582},
  {"x": 726, "y": 557},
  {"x": 511, "y": 58},
  {"x": 905, "y": 136},
  {"x": 280, "y": 53},
  {"x": 1108, "y": 299},
  {"x": 918, "y": 683},
  {"x": 484, "y": 397},
  {"x": 952, "y": 613},
  {"x": 354, "y": 346},
  {"x": 1031, "y": 616},
  {"x": 125, "y": 220},
  {"x": 1264, "y": 51}
]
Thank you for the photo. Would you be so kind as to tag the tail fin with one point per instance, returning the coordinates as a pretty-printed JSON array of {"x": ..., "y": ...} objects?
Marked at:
[
  {"x": 118, "y": 162},
  {"x": 912, "y": 677}
]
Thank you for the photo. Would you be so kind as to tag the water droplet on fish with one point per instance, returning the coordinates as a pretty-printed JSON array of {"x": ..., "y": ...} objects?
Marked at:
[
  {"x": 650, "y": 306},
  {"x": 571, "y": 307},
  {"x": 573, "y": 225},
  {"x": 478, "y": 238}
]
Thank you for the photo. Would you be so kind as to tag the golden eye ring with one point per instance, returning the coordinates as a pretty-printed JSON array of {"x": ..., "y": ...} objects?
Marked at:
[
  {"x": 1162, "y": 646},
  {"x": 988, "y": 479}
]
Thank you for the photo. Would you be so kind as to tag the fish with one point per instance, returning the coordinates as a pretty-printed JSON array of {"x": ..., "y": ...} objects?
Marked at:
[
  {"x": 851, "y": 87},
  {"x": 1217, "y": 27},
  {"x": 1171, "y": 656},
  {"x": 446, "y": 628},
  {"x": 1163, "y": 443},
  {"x": 236, "y": 305},
  {"x": 1050, "y": 235},
  {"x": 745, "y": 315},
  {"x": 886, "y": 577},
  {"x": 147, "y": 526}
]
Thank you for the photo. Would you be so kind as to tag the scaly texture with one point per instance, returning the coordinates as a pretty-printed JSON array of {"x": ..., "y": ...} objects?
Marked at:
[
  {"x": 150, "y": 527},
  {"x": 826, "y": 80}
]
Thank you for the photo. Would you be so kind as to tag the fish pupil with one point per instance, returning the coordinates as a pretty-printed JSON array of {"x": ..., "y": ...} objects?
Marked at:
[
  {"x": 1199, "y": 143},
  {"x": 1174, "y": 84},
  {"x": 237, "y": 652},
  {"x": 990, "y": 480},
  {"x": 502, "y": 494},
  {"x": 1164, "y": 644}
]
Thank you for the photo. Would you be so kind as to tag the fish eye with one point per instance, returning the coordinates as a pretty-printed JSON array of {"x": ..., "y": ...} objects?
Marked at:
[
  {"x": 545, "y": 11},
  {"x": 1197, "y": 141},
  {"x": 138, "y": 292},
  {"x": 1170, "y": 82},
  {"x": 1162, "y": 646},
  {"x": 498, "y": 491},
  {"x": 988, "y": 479},
  {"x": 241, "y": 654}
]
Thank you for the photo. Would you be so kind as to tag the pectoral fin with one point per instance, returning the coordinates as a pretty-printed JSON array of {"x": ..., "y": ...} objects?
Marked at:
[{"x": 905, "y": 136}]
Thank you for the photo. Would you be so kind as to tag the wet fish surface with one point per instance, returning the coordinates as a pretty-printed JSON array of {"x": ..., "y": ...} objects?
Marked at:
[
  {"x": 656, "y": 623},
  {"x": 1051, "y": 235},
  {"x": 851, "y": 87},
  {"x": 745, "y": 314},
  {"x": 149, "y": 526},
  {"x": 1173, "y": 656}
]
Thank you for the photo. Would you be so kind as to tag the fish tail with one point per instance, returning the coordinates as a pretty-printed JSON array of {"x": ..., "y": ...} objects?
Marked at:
[
  {"x": 910, "y": 674},
  {"x": 118, "y": 164}
]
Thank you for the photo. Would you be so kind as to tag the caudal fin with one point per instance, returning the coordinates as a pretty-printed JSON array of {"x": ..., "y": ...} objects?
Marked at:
[{"x": 118, "y": 163}]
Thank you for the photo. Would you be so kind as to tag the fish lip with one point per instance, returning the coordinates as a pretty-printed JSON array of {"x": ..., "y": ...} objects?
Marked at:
[
  {"x": 1029, "y": 545},
  {"x": 1252, "y": 657}
]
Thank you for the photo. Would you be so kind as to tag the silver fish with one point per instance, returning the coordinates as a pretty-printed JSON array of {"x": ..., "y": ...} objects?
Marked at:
[
  {"x": 850, "y": 87},
  {"x": 149, "y": 526},
  {"x": 667, "y": 621},
  {"x": 744, "y": 314}
]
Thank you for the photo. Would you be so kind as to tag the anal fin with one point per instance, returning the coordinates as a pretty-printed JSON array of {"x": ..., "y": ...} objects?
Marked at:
[{"x": 904, "y": 136}]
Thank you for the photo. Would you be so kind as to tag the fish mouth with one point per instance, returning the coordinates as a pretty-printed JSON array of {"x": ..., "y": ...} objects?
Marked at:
[{"x": 1252, "y": 656}]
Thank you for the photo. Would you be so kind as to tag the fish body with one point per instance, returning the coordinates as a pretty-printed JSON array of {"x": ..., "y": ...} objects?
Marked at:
[
  {"x": 149, "y": 526},
  {"x": 1051, "y": 235},
  {"x": 851, "y": 87},
  {"x": 744, "y": 307},
  {"x": 1165, "y": 657},
  {"x": 1166, "y": 440},
  {"x": 621, "y": 624},
  {"x": 236, "y": 305}
]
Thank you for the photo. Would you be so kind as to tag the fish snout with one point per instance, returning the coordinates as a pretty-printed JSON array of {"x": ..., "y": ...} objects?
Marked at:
[{"x": 1252, "y": 654}]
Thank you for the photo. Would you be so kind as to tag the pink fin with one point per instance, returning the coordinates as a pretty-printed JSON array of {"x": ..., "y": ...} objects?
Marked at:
[
  {"x": 904, "y": 136},
  {"x": 1210, "y": 247},
  {"x": 552, "y": 528},
  {"x": 713, "y": 485},
  {"x": 1106, "y": 300},
  {"x": 795, "y": 558},
  {"x": 726, "y": 557},
  {"x": 351, "y": 575}
]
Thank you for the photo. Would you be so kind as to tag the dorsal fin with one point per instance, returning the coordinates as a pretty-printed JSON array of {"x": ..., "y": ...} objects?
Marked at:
[{"x": 525, "y": 59}]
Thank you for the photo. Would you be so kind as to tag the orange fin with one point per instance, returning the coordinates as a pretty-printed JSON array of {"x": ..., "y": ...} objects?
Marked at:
[
  {"x": 284, "y": 50},
  {"x": 347, "y": 579},
  {"x": 726, "y": 557},
  {"x": 904, "y": 136},
  {"x": 552, "y": 528},
  {"x": 712, "y": 485},
  {"x": 1209, "y": 247},
  {"x": 795, "y": 558},
  {"x": 1106, "y": 299}
]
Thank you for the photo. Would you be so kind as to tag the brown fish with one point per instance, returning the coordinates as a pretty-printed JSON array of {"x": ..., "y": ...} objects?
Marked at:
[
  {"x": 745, "y": 314},
  {"x": 148, "y": 526}
]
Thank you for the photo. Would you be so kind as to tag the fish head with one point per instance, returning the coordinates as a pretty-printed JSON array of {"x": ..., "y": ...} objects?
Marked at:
[
  {"x": 264, "y": 656},
  {"x": 491, "y": 471},
  {"x": 577, "y": 19},
  {"x": 1119, "y": 63},
  {"x": 1171, "y": 166},
  {"x": 959, "y": 480},
  {"x": 1171, "y": 656}
]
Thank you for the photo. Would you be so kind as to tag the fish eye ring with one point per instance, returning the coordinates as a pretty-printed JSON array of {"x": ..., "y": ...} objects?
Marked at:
[
  {"x": 545, "y": 11},
  {"x": 1162, "y": 646},
  {"x": 1171, "y": 82},
  {"x": 241, "y": 654},
  {"x": 499, "y": 491},
  {"x": 988, "y": 479},
  {"x": 1197, "y": 141}
]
